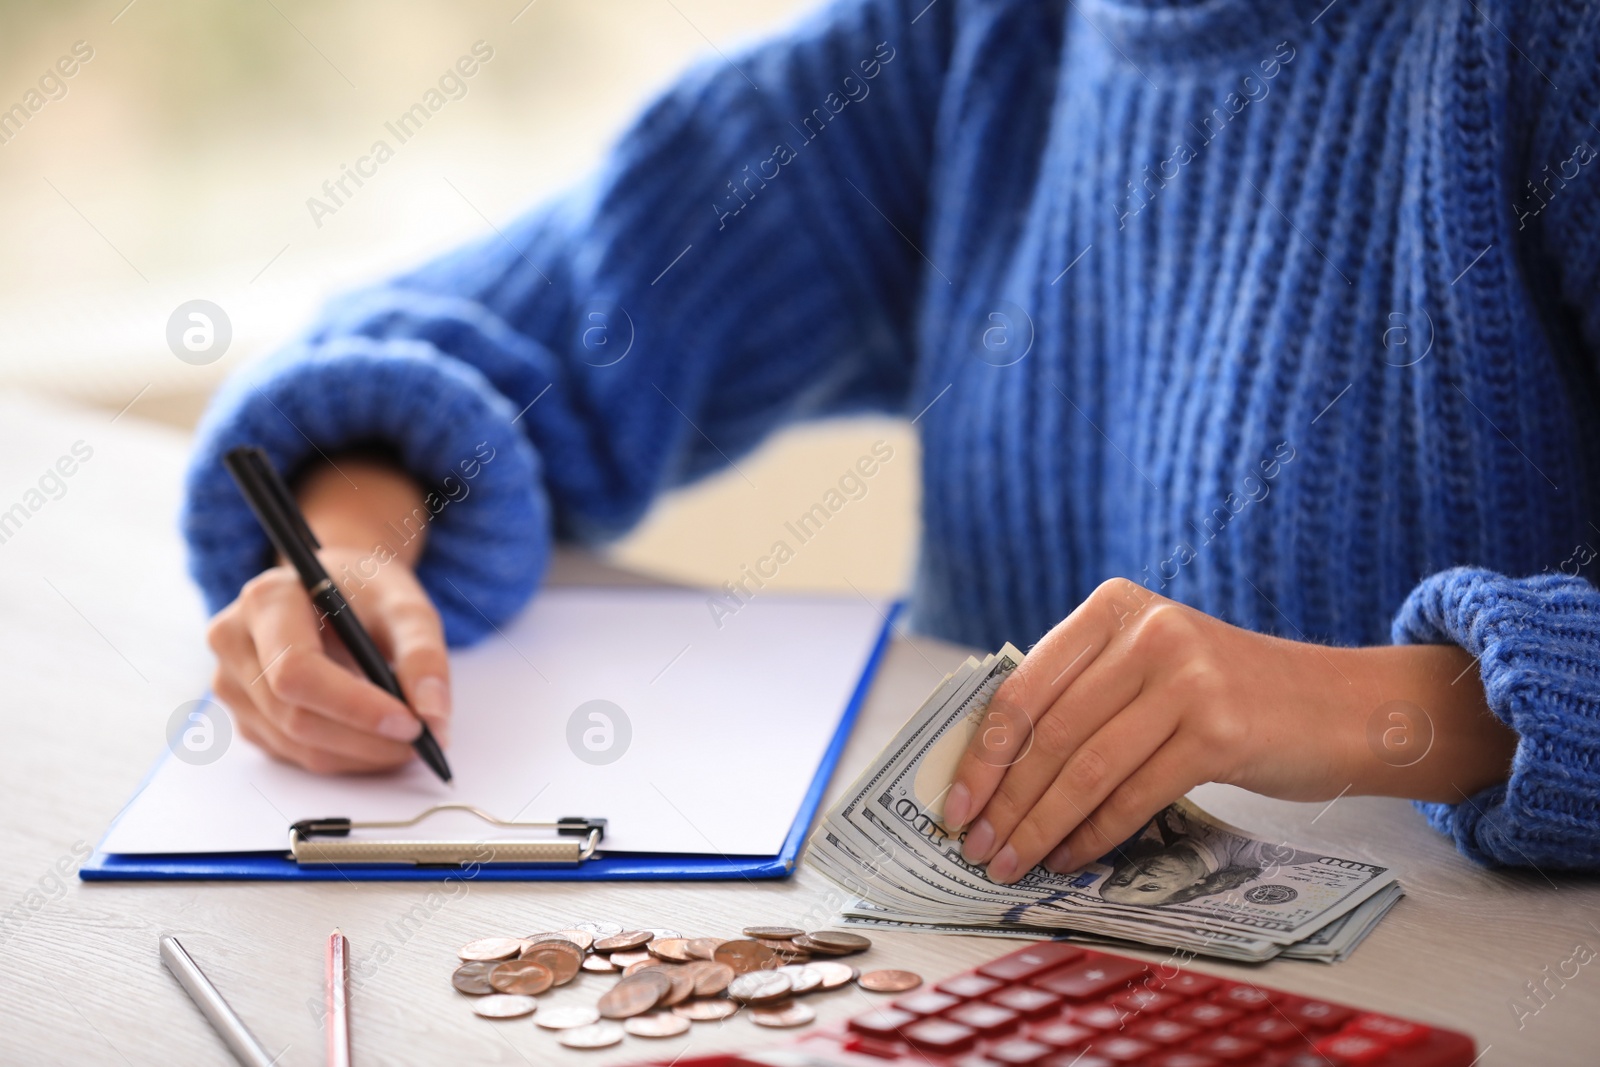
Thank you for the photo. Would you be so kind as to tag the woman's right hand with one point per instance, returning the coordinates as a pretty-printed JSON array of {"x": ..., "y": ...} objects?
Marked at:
[
  {"x": 282, "y": 671},
  {"x": 294, "y": 690}
]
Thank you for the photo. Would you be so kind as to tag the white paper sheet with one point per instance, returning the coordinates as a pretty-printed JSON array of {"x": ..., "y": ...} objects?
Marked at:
[{"x": 729, "y": 724}]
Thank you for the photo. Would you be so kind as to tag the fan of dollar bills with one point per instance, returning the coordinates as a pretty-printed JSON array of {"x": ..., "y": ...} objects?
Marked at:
[{"x": 1187, "y": 881}]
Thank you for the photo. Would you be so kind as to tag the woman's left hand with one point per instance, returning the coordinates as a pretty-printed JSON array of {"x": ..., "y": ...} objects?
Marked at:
[{"x": 1134, "y": 699}]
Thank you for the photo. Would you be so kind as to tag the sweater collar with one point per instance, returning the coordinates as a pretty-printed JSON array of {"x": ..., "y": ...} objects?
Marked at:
[{"x": 1181, "y": 31}]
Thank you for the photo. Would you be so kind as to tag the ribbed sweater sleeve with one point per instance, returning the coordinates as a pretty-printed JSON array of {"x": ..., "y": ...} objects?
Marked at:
[
  {"x": 1537, "y": 639},
  {"x": 1537, "y": 642},
  {"x": 745, "y": 256}
]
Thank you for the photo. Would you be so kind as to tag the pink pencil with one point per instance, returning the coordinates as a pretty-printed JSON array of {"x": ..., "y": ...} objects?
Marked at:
[{"x": 338, "y": 1000}]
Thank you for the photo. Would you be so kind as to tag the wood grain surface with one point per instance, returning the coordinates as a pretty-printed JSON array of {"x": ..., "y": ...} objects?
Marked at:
[{"x": 101, "y": 639}]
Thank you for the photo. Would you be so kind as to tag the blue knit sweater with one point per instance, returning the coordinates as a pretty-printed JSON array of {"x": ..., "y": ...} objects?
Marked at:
[{"x": 1292, "y": 316}]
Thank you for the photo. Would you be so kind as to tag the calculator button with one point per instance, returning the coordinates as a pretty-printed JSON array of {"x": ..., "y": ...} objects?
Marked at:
[
  {"x": 1099, "y": 1017},
  {"x": 1020, "y": 966},
  {"x": 968, "y": 985},
  {"x": 1352, "y": 1049},
  {"x": 1245, "y": 997},
  {"x": 884, "y": 1023},
  {"x": 1164, "y": 1031},
  {"x": 1204, "y": 1014},
  {"x": 1062, "y": 1035},
  {"x": 1122, "y": 1049},
  {"x": 1396, "y": 1032},
  {"x": 986, "y": 1019},
  {"x": 1300, "y": 1059},
  {"x": 1314, "y": 1014},
  {"x": 1228, "y": 1048},
  {"x": 1068, "y": 1059},
  {"x": 1183, "y": 1059},
  {"x": 1145, "y": 1001},
  {"x": 1271, "y": 1029},
  {"x": 867, "y": 1046},
  {"x": 1092, "y": 977},
  {"x": 1188, "y": 984},
  {"x": 1018, "y": 1052},
  {"x": 1028, "y": 1002},
  {"x": 926, "y": 1003},
  {"x": 938, "y": 1035}
]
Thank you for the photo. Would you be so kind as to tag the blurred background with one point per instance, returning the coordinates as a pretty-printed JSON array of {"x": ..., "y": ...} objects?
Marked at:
[{"x": 176, "y": 161}]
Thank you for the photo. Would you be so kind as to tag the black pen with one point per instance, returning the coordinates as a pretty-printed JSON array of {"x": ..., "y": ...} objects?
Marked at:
[{"x": 286, "y": 527}]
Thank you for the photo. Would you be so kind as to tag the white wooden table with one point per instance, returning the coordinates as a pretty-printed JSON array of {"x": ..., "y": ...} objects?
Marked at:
[{"x": 100, "y": 639}]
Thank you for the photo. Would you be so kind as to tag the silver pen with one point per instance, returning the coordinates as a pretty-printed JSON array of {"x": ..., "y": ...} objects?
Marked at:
[{"x": 246, "y": 1049}]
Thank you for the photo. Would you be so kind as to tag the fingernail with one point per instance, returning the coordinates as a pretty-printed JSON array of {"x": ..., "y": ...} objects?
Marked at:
[
  {"x": 1059, "y": 861},
  {"x": 400, "y": 727},
  {"x": 956, "y": 803},
  {"x": 1004, "y": 867},
  {"x": 431, "y": 698},
  {"x": 978, "y": 843}
]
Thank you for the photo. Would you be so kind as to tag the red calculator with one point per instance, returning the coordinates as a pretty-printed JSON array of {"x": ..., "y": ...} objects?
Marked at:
[{"x": 1056, "y": 1004}]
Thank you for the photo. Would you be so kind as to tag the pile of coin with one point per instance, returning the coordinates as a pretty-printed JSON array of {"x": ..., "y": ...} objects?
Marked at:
[{"x": 667, "y": 981}]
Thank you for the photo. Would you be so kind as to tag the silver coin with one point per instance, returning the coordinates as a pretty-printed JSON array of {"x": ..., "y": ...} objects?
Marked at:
[
  {"x": 504, "y": 1006},
  {"x": 656, "y": 1024},
  {"x": 596, "y": 1035},
  {"x": 566, "y": 1018},
  {"x": 760, "y": 987},
  {"x": 488, "y": 949},
  {"x": 803, "y": 978},
  {"x": 598, "y": 929},
  {"x": 662, "y": 934}
]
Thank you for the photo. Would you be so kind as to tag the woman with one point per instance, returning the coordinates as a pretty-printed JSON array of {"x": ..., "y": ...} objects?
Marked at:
[{"x": 1252, "y": 346}]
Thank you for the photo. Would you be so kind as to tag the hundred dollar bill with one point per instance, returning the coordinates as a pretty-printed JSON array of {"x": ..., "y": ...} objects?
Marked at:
[{"x": 1187, "y": 879}]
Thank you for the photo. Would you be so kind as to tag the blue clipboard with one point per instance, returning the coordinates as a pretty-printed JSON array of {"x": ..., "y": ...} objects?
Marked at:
[{"x": 634, "y": 866}]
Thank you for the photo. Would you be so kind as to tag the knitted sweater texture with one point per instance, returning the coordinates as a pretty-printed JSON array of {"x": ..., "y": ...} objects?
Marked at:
[{"x": 1289, "y": 311}]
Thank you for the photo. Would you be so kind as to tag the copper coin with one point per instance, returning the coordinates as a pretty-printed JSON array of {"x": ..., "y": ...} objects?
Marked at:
[
  {"x": 623, "y": 942},
  {"x": 705, "y": 1011},
  {"x": 490, "y": 949},
  {"x": 527, "y": 977},
  {"x": 712, "y": 980},
  {"x": 802, "y": 979},
  {"x": 805, "y": 942},
  {"x": 563, "y": 958},
  {"x": 634, "y": 995},
  {"x": 596, "y": 1035},
  {"x": 746, "y": 956},
  {"x": 760, "y": 987},
  {"x": 651, "y": 964},
  {"x": 703, "y": 948},
  {"x": 504, "y": 1006},
  {"x": 840, "y": 939},
  {"x": 777, "y": 944},
  {"x": 780, "y": 933},
  {"x": 599, "y": 964},
  {"x": 682, "y": 986},
  {"x": 889, "y": 981},
  {"x": 834, "y": 974},
  {"x": 473, "y": 978},
  {"x": 582, "y": 938},
  {"x": 656, "y": 1024},
  {"x": 566, "y": 1017},
  {"x": 624, "y": 959},
  {"x": 783, "y": 1015},
  {"x": 670, "y": 948}
]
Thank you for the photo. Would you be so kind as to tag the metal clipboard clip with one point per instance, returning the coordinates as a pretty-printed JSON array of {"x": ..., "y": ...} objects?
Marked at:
[{"x": 329, "y": 841}]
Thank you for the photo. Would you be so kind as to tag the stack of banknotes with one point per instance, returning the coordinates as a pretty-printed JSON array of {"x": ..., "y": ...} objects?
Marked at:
[{"x": 1187, "y": 881}]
